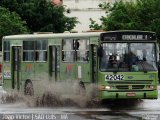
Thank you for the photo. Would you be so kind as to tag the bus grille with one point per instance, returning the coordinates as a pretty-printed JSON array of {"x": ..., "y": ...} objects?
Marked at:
[
  {"x": 131, "y": 87},
  {"x": 131, "y": 82}
]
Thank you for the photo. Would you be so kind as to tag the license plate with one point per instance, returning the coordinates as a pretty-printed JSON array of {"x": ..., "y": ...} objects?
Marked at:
[{"x": 131, "y": 94}]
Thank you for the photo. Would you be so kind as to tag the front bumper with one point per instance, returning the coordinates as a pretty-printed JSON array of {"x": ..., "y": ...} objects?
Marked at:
[{"x": 104, "y": 95}]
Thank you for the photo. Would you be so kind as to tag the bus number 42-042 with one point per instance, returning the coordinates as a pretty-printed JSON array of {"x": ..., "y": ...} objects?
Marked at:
[{"x": 114, "y": 77}]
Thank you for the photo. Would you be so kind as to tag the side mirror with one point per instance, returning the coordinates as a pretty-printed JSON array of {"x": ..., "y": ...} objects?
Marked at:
[{"x": 100, "y": 51}]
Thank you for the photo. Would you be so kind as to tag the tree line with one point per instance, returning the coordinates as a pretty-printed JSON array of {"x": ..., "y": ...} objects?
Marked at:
[
  {"x": 131, "y": 15},
  {"x": 28, "y": 16}
]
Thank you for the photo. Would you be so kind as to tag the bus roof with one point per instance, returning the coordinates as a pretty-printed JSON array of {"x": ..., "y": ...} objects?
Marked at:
[
  {"x": 129, "y": 31},
  {"x": 54, "y": 35}
]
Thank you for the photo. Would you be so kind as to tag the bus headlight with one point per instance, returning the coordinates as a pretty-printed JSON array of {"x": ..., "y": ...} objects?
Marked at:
[
  {"x": 151, "y": 87},
  {"x": 107, "y": 87}
]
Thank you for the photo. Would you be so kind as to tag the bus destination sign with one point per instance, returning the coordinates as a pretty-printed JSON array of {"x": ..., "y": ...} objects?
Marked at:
[
  {"x": 128, "y": 36},
  {"x": 134, "y": 37}
]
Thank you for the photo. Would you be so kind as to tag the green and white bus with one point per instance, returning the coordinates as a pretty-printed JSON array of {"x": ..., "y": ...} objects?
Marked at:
[{"x": 83, "y": 57}]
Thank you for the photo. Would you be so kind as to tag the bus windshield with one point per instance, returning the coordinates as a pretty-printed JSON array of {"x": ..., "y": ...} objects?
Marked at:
[{"x": 128, "y": 57}]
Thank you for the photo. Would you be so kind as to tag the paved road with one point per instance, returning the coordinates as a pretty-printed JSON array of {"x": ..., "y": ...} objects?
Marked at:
[{"x": 117, "y": 110}]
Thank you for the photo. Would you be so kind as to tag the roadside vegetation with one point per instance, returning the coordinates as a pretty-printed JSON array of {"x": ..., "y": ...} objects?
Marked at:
[
  {"x": 21, "y": 16},
  {"x": 133, "y": 15}
]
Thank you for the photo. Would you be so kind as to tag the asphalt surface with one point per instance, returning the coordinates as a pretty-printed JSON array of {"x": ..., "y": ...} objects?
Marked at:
[{"x": 111, "y": 110}]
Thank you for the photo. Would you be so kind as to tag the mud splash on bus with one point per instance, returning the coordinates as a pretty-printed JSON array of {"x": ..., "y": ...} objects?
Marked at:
[{"x": 57, "y": 94}]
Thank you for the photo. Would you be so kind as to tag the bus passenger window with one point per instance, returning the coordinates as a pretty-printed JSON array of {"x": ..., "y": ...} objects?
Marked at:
[
  {"x": 83, "y": 50},
  {"x": 41, "y": 56},
  {"x": 28, "y": 50},
  {"x": 75, "y": 49},
  {"x": 28, "y": 56},
  {"x": 67, "y": 50},
  {"x": 6, "y": 51},
  {"x": 41, "y": 50}
]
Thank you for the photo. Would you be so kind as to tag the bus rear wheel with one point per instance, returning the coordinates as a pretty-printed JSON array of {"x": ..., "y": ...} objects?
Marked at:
[{"x": 28, "y": 89}]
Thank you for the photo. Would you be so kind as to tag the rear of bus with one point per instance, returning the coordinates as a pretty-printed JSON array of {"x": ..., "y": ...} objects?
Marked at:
[{"x": 126, "y": 79}]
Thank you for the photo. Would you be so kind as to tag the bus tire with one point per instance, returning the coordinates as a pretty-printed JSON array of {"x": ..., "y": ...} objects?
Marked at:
[{"x": 28, "y": 88}]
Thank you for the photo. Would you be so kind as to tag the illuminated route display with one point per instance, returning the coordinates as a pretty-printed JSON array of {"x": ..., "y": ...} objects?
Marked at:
[{"x": 128, "y": 36}]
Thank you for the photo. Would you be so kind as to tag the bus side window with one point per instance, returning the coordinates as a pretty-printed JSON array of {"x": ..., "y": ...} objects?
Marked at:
[
  {"x": 82, "y": 50},
  {"x": 67, "y": 50},
  {"x": 41, "y": 50},
  {"x": 28, "y": 50},
  {"x": 75, "y": 49},
  {"x": 6, "y": 56}
]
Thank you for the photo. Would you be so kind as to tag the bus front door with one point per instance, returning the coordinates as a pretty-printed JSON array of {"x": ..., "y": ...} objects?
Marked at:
[
  {"x": 15, "y": 66},
  {"x": 54, "y": 59}
]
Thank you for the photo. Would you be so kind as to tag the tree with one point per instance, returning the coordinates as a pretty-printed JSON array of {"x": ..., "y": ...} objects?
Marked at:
[
  {"x": 137, "y": 15},
  {"x": 10, "y": 23},
  {"x": 41, "y": 15}
]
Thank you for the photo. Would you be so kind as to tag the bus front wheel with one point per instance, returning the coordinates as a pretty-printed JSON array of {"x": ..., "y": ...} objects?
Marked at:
[{"x": 28, "y": 89}]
